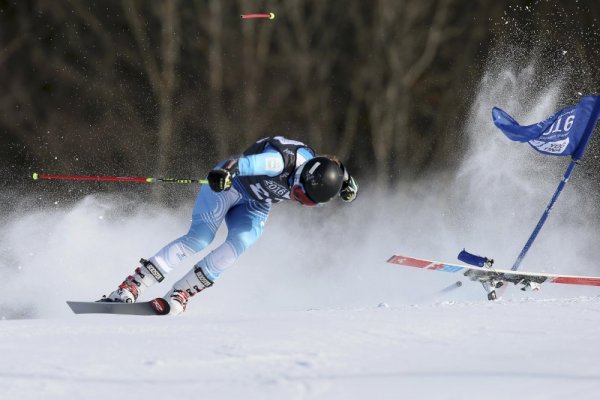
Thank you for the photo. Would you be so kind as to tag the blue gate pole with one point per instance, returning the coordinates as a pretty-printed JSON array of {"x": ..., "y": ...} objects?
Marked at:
[{"x": 542, "y": 220}]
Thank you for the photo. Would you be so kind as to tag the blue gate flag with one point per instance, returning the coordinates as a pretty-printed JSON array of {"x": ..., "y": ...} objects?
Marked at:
[{"x": 565, "y": 133}]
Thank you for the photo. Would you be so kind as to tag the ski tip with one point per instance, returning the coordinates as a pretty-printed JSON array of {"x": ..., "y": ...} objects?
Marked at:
[{"x": 160, "y": 306}]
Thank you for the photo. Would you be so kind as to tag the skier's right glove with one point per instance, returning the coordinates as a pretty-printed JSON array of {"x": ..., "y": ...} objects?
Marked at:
[
  {"x": 220, "y": 179},
  {"x": 349, "y": 189}
]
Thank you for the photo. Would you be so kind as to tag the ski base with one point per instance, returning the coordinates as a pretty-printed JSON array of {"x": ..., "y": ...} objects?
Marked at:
[{"x": 158, "y": 306}]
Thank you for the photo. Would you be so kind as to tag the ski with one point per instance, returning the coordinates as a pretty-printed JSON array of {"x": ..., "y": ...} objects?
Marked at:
[
  {"x": 158, "y": 306},
  {"x": 492, "y": 278}
]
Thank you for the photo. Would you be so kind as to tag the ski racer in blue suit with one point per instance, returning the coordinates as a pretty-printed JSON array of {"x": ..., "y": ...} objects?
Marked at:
[{"x": 241, "y": 192}]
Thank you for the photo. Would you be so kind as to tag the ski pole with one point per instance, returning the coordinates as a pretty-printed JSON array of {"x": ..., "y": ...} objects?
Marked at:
[
  {"x": 260, "y": 16},
  {"x": 37, "y": 177}
]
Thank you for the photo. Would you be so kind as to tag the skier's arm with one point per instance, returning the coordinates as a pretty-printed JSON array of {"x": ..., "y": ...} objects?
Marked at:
[{"x": 269, "y": 162}]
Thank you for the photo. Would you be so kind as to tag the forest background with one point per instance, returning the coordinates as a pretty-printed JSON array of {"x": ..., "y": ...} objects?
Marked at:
[{"x": 168, "y": 88}]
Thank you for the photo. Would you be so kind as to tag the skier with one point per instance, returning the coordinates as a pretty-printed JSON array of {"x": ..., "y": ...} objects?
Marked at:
[{"x": 241, "y": 192}]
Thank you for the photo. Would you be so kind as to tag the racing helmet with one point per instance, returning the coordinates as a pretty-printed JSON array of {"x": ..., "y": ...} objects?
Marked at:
[{"x": 317, "y": 181}]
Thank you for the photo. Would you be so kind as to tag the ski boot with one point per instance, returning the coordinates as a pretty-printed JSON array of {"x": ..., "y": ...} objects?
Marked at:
[
  {"x": 178, "y": 300},
  {"x": 191, "y": 284},
  {"x": 490, "y": 287},
  {"x": 130, "y": 289}
]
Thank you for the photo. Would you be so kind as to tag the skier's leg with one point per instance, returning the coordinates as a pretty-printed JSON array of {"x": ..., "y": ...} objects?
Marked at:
[
  {"x": 209, "y": 212},
  {"x": 245, "y": 223},
  {"x": 207, "y": 216}
]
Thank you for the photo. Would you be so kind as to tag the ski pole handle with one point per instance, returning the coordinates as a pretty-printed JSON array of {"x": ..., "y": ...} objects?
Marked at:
[{"x": 37, "y": 177}]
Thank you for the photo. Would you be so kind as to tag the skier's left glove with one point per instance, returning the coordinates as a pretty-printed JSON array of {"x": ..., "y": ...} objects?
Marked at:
[
  {"x": 219, "y": 179},
  {"x": 349, "y": 189}
]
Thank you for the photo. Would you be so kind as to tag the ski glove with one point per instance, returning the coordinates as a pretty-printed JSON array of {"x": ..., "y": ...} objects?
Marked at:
[
  {"x": 349, "y": 189},
  {"x": 219, "y": 179}
]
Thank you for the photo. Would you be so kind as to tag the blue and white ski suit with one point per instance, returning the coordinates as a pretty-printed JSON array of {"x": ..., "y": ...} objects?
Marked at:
[{"x": 266, "y": 173}]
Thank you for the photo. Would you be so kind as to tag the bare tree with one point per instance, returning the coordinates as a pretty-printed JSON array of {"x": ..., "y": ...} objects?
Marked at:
[
  {"x": 160, "y": 68},
  {"x": 398, "y": 42},
  {"x": 131, "y": 86}
]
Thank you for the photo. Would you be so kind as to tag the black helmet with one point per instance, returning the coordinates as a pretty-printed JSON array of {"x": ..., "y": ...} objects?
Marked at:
[{"x": 317, "y": 181}]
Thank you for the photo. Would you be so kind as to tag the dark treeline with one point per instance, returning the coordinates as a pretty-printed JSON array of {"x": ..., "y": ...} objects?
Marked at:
[{"x": 167, "y": 88}]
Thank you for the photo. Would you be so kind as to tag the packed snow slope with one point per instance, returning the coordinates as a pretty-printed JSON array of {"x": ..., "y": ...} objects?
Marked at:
[{"x": 521, "y": 349}]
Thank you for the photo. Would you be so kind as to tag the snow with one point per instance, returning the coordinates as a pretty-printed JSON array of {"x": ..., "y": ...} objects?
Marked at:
[
  {"x": 326, "y": 318},
  {"x": 313, "y": 311},
  {"x": 534, "y": 349}
]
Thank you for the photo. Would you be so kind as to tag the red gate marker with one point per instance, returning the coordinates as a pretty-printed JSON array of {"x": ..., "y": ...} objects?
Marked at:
[{"x": 254, "y": 16}]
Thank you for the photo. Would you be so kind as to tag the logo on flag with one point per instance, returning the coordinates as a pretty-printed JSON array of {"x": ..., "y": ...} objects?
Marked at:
[{"x": 567, "y": 132}]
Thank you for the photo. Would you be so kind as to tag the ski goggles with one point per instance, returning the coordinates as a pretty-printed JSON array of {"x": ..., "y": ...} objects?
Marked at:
[{"x": 297, "y": 193}]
